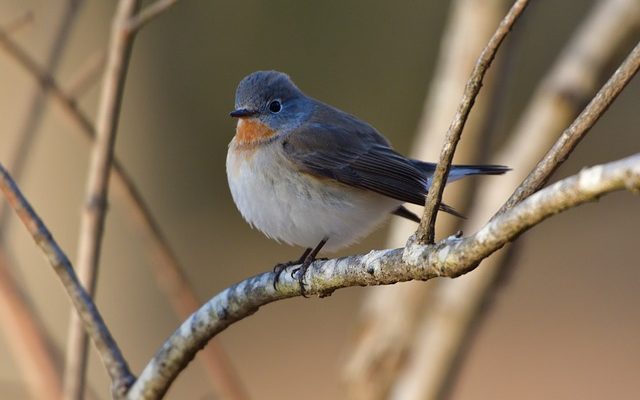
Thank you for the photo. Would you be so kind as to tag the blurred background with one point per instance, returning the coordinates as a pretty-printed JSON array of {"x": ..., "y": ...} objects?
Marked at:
[{"x": 565, "y": 323}]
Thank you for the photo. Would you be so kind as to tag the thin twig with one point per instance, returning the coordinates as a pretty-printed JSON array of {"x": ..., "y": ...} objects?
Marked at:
[
  {"x": 93, "y": 215},
  {"x": 168, "y": 271},
  {"x": 105, "y": 344},
  {"x": 426, "y": 230},
  {"x": 451, "y": 258},
  {"x": 577, "y": 130},
  {"x": 148, "y": 13}
]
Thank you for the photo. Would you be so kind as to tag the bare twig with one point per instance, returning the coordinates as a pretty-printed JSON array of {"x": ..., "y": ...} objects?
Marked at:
[
  {"x": 32, "y": 351},
  {"x": 147, "y": 14},
  {"x": 167, "y": 271},
  {"x": 439, "y": 349},
  {"x": 578, "y": 129},
  {"x": 451, "y": 257},
  {"x": 93, "y": 216},
  {"x": 426, "y": 230},
  {"x": 390, "y": 315},
  {"x": 105, "y": 344}
]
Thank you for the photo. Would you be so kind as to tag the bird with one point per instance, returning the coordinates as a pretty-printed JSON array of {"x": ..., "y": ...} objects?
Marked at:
[{"x": 308, "y": 174}]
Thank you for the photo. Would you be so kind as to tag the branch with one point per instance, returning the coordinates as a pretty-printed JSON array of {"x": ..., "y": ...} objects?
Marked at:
[
  {"x": 426, "y": 230},
  {"x": 93, "y": 322},
  {"x": 93, "y": 216},
  {"x": 167, "y": 271},
  {"x": 451, "y": 258},
  {"x": 577, "y": 130}
]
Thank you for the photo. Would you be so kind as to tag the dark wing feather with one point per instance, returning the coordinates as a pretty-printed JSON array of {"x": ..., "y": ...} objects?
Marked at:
[{"x": 354, "y": 153}]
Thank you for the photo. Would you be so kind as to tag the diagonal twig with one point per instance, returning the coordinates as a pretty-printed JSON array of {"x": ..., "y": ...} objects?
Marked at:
[
  {"x": 451, "y": 257},
  {"x": 93, "y": 215},
  {"x": 105, "y": 344},
  {"x": 426, "y": 230},
  {"x": 577, "y": 130}
]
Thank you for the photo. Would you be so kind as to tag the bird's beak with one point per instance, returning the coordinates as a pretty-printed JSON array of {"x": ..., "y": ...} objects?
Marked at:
[{"x": 242, "y": 113}]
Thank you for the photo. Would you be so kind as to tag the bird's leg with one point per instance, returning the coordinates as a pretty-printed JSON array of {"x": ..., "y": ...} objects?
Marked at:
[
  {"x": 282, "y": 266},
  {"x": 311, "y": 257}
]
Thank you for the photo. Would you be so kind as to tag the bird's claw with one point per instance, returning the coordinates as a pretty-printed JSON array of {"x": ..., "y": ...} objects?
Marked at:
[{"x": 277, "y": 270}]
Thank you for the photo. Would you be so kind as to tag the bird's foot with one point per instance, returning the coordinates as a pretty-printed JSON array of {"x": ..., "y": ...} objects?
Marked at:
[{"x": 300, "y": 271}]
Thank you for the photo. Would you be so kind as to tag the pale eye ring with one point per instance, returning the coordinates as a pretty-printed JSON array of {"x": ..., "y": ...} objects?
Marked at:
[{"x": 275, "y": 106}]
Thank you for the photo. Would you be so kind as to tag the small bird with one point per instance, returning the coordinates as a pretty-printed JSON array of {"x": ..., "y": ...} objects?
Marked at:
[{"x": 308, "y": 174}]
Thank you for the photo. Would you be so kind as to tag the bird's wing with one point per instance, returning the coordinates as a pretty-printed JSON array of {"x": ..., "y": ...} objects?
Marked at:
[{"x": 355, "y": 154}]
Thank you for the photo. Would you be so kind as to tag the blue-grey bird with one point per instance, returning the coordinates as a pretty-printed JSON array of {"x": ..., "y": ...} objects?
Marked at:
[{"x": 308, "y": 174}]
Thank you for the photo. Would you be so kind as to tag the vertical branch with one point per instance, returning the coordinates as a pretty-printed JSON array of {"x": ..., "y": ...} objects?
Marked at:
[
  {"x": 426, "y": 230},
  {"x": 93, "y": 216}
]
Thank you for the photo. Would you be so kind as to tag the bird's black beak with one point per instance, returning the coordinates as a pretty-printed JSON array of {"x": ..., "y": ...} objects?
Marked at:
[{"x": 242, "y": 113}]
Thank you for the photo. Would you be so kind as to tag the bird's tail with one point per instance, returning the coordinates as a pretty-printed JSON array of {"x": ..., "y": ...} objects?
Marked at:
[
  {"x": 457, "y": 172},
  {"x": 460, "y": 170}
]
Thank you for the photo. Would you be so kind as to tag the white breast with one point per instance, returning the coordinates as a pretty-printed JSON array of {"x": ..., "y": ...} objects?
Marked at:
[{"x": 297, "y": 208}]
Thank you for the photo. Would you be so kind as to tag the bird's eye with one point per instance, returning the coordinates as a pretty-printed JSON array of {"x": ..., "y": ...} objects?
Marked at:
[{"x": 275, "y": 106}]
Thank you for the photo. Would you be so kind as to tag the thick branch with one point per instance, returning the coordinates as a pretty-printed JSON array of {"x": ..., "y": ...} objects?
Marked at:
[
  {"x": 451, "y": 257},
  {"x": 426, "y": 230},
  {"x": 95, "y": 326}
]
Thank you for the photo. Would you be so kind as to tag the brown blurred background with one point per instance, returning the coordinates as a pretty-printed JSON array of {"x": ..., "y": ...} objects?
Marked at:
[{"x": 564, "y": 325}]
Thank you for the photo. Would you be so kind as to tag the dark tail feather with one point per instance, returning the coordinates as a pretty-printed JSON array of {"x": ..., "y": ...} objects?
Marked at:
[
  {"x": 487, "y": 169},
  {"x": 403, "y": 212},
  {"x": 460, "y": 170}
]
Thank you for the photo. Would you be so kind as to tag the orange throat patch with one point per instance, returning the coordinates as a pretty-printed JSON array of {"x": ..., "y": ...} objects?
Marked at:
[{"x": 251, "y": 132}]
